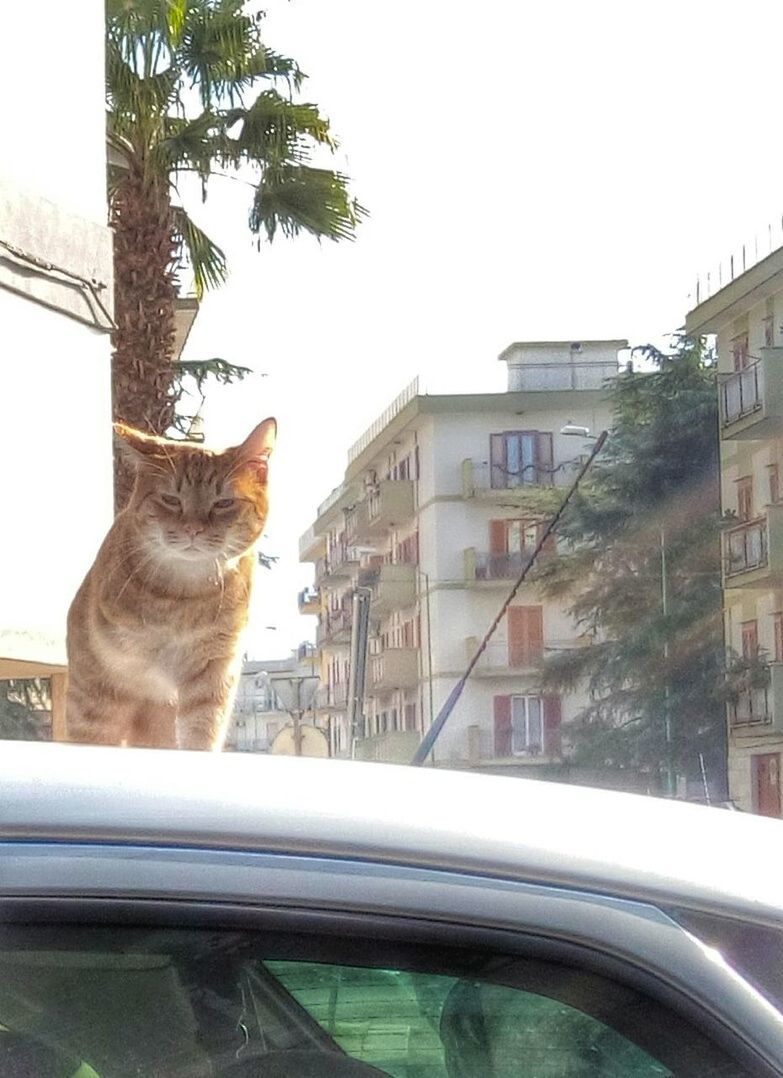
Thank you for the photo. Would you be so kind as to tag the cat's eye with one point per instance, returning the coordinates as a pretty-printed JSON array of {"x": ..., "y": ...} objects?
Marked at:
[
  {"x": 223, "y": 503},
  {"x": 170, "y": 500}
]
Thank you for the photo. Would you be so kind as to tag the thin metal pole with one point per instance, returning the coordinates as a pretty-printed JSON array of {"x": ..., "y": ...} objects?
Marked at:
[
  {"x": 667, "y": 719},
  {"x": 429, "y": 739}
]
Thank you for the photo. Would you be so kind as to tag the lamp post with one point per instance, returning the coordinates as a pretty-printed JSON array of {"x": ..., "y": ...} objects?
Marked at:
[{"x": 296, "y": 693}]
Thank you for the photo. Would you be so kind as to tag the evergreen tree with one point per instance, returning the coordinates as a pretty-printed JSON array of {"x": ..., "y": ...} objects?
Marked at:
[{"x": 639, "y": 565}]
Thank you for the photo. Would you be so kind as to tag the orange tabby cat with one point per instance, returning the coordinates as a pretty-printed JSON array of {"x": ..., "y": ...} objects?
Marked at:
[{"x": 154, "y": 631}]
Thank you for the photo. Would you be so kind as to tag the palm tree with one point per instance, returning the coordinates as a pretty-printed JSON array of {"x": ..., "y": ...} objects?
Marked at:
[{"x": 192, "y": 88}]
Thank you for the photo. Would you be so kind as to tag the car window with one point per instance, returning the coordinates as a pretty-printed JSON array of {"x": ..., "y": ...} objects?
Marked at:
[
  {"x": 431, "y": 1026},
  {"x": 120, "y": 1003}
]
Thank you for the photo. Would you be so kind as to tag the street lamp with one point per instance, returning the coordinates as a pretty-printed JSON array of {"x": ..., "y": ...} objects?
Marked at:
[
  {"x": 572, "y": 430},
  {"x": 296, "y": 693}
]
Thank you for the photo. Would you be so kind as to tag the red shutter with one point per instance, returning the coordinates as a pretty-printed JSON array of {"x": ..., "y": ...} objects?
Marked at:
[
  {"x": 525, "y": 635},
  {"x": 498, "y": 537},
  {"x": 502, "y": 708},
  {"x": 552, "y": 718},
  {"x": 750, "y": 640},
  {"x": 544, "y": 458}
]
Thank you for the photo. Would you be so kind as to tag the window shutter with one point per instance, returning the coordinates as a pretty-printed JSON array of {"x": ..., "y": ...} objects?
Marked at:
[
  {"x": 553, "y": 714},
  {"x": 502, "y": 709},
  {"x": 750, "y": 640},
  {"x": 498, "y": 537},
  {"x": 544, "y": 458},
  {"x": 535, "y": 632},
  {"x": 525, "y": 634},
  {"x": 497, "y": 462}
]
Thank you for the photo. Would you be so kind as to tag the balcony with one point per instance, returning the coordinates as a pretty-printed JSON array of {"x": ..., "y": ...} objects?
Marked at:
[
  {"x": 753, "y": 552},
  {"x": 309, "y": 600},
  {"x": 499, "y": 660},
  {"x": 332, "y": 697},
  {"x": 311, "y": 546},
  {"x": 751, "y": 400},
  {"x": 393, "y": 587},
  {"x": 481, "y": 480},
  {"x": 396, "y": 747},
  {"x": 760, "y": 710},
  {"x": 394, "y": 668},
  {"x": 484, "y": 568},
  {"x": 338, "y": 564},
  {"x": 390, "y": 504},
  {"x": 338, "y": 626}
]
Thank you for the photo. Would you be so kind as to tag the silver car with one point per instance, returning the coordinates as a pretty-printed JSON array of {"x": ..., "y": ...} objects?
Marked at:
[{"x": 178, "y": 914}]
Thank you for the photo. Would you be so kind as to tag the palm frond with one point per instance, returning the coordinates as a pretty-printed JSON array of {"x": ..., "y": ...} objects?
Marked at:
[
  {"x": 206, "y": 259},
  {"x": 299, "y": 198}
]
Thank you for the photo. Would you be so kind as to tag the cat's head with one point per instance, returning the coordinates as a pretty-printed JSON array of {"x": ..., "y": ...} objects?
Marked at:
[{"x": 195, "y": 504}]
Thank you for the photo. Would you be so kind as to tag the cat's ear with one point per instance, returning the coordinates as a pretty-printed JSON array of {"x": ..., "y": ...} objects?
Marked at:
[
  {"x": 135, "y": 445},
  {"x": 257, "y": 447}
]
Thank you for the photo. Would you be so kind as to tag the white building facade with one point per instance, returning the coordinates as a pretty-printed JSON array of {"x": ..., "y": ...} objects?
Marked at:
[
  {"x": 747, "y": 317},
  {"x": 56, "y": 301},
  {"x": 431, "y": 519}
]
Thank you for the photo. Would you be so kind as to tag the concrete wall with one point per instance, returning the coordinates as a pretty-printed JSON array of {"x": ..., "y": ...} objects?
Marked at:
[{"x": 55, "y": 411}]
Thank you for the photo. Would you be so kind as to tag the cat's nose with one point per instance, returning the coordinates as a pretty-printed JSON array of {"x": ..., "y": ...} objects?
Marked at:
[{"x": 192, "y": 530}]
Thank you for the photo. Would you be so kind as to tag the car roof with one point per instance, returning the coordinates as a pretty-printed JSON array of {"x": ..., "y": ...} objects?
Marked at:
[{"x": 505, "y": 827}]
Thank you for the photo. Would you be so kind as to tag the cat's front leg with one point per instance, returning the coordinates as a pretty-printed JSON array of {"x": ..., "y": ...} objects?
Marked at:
[{"x": 205, "y": 703}]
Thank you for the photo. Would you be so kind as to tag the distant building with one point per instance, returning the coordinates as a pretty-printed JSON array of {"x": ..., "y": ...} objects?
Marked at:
[
  {"x": 747, "y": 315},
  {"x": 430, "y": 518},
  {"x": 259, "y": 714}
]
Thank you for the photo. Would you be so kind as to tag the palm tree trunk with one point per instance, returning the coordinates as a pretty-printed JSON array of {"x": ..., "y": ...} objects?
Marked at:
[{"x": 145, "y": 289}]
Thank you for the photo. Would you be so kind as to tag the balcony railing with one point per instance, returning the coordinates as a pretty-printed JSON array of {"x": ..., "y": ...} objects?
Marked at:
[
  {"x": 760, "y": 705},
  {"x": 745, "y": 547},
  {"x": 393, "y": 586},
  {"x": 394, "y": 668},
  {"x": 480, "y": 479},
  {"x": 753, "y": 708},
  {"x": 751, "y": 399},
  {"x": 333, "y": 697},
  {"x": 389, "y": 504},
  {"x": 309, "y": 601},
  {"x": 742, "y": 393},
  {"x": 338, "y": 624},
  {"x": 502, "y": 566}
]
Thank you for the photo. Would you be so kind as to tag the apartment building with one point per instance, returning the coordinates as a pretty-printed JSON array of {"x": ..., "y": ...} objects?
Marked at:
[
  {"x": 430, "y": 519},
  {"x": 260, "y": 714},
  {"x": 746, "y": 314}
]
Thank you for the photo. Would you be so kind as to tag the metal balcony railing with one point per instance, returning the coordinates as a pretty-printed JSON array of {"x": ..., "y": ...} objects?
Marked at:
[
  {"x": 745, "y": 547},
  {"x": 742, "y": 393}
]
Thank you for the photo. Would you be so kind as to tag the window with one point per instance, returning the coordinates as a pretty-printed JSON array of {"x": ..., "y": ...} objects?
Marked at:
[
  {"x": 739, "y": 351},
  {"x": 745, "y": 498},
  {"x": 124, "y": 1002},
  {"x": 410, "y": 716},
  {"x": 527, "y": 726},
  {"x": 520, "y": 458}
]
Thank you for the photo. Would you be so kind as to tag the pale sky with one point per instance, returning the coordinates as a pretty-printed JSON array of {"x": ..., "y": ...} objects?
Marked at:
[{"x": 532, "y": 170}]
